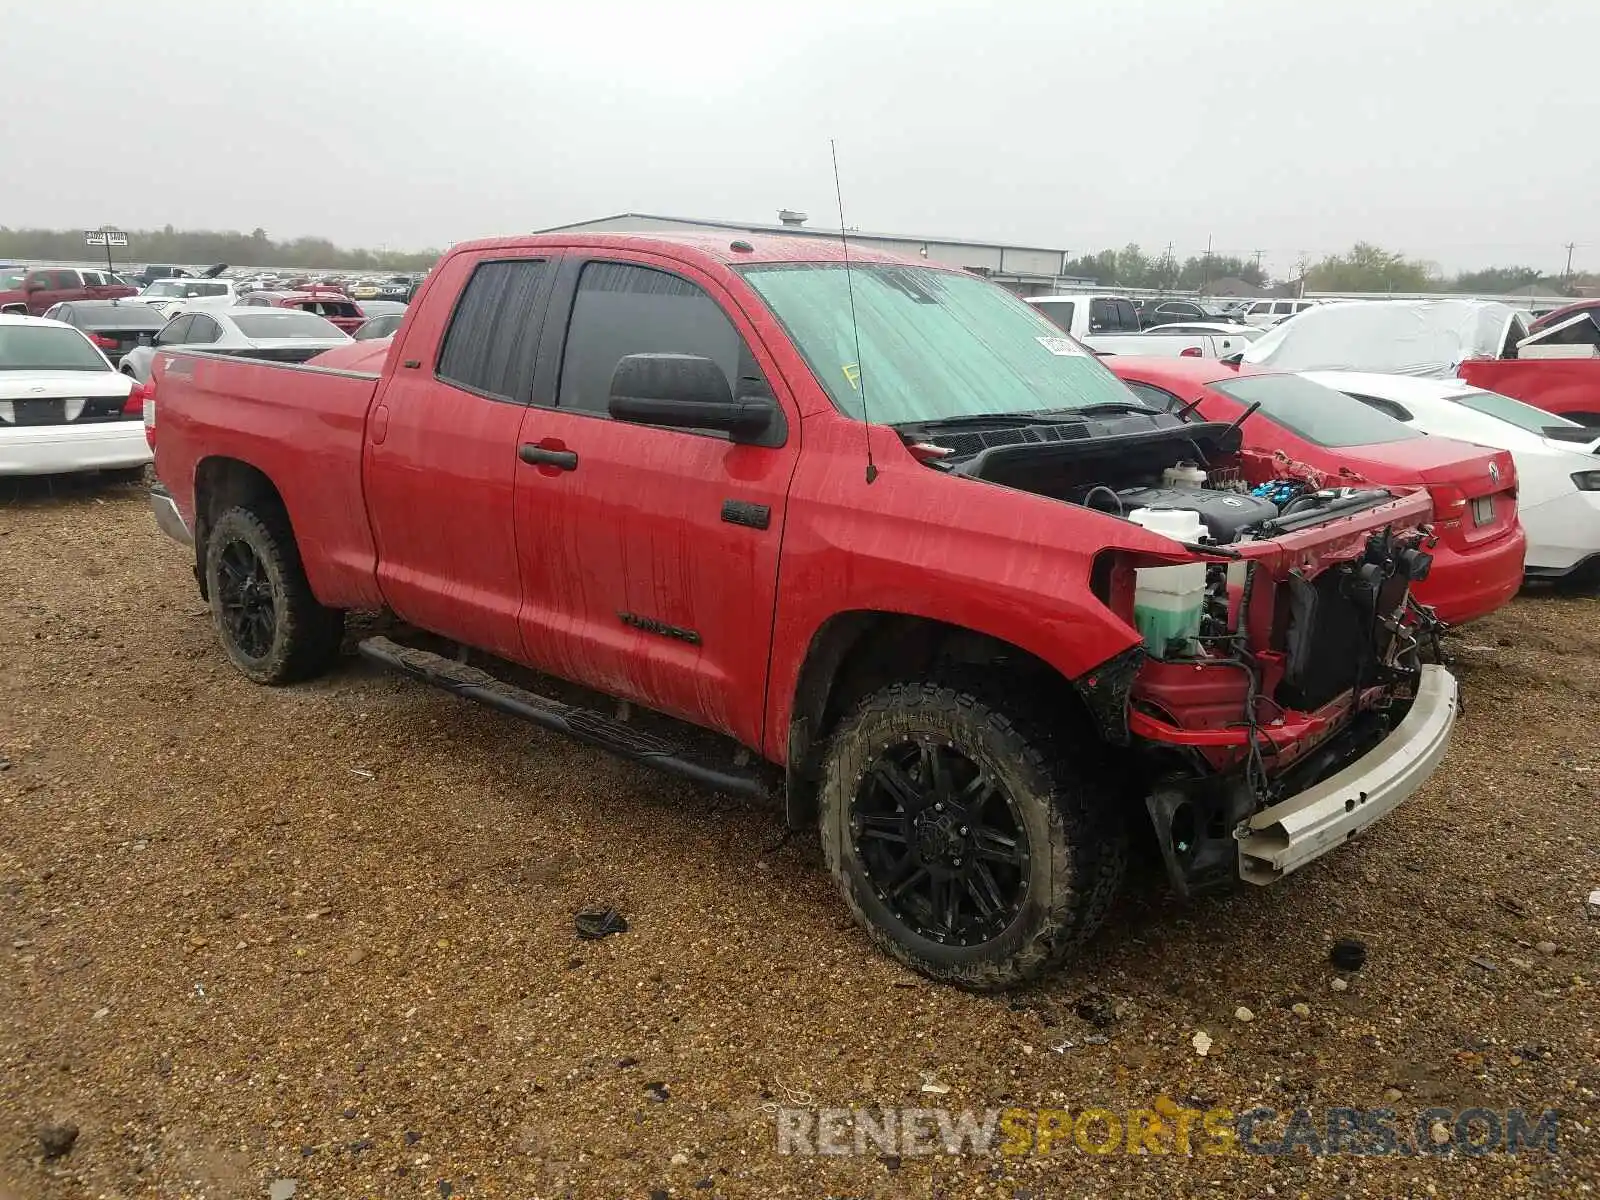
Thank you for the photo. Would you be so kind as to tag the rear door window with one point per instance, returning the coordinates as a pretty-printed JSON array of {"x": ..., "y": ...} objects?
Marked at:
[
  {"x": 203, "y": 330},
  {"x": 1282, "y": 308},
  {"x": 1113, "y": 316},
  {"x": 63, "y": 281},
  {"x": 176, "y": 331},
  {"x": 1059, "y": 315},
  {"x": 493, "y": 338}
]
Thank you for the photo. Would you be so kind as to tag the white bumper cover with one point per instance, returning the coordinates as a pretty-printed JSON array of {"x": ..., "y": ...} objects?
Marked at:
[{"x": 1306, "y": 826}]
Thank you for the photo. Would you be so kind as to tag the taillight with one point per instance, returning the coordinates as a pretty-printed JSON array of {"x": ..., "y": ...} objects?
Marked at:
[
  {"x": 1189, "y": 352},
  {"x": 148, "y": 396},
  {"x": 1448, "y": 501},
  {"x": 104, "y": 342},
  {"x": 135, "y": 405}
]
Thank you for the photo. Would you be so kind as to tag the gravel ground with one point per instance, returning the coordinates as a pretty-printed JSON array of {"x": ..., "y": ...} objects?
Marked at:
[{"x": 324, "y": 934}]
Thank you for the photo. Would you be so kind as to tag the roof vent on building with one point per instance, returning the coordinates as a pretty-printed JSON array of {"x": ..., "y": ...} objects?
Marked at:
[{"x": 787, "y": 216}]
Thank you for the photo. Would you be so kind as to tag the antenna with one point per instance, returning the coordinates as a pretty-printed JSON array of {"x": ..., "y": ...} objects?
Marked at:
[{"x": 855, "y": 330}]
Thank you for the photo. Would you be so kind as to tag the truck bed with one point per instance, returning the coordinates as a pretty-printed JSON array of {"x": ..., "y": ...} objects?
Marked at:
[{"x": 303, "y": 427}]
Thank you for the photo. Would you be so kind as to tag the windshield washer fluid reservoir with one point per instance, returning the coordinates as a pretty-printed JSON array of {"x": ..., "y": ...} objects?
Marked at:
[
  {"x": 1184, "y": 475},
  {"x": 1167, "y": 601}
]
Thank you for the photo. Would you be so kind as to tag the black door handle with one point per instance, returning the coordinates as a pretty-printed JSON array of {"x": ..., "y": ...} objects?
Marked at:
[{"x": 540, "y": 456}]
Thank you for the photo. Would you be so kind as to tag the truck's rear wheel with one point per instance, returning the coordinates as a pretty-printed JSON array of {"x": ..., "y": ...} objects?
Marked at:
[
  {"x": 270, "y": 624},
  {"x": 966, "y": 840}
]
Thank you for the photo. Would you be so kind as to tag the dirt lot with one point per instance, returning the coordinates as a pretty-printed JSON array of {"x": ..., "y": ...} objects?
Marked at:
[{"x": 324, "y": 934}]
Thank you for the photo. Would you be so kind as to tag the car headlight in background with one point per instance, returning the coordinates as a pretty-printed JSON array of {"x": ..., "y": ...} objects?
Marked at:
[{"x": 1587, "y": 481}]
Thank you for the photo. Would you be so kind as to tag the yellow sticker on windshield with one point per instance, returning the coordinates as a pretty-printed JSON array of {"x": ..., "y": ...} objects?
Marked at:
[{"x": 852, "y": 372}]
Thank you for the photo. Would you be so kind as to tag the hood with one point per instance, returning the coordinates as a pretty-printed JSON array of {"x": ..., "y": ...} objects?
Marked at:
[
  {"x": 40, "y": 385},
  {"x": 356, "y": 356},
  {"x": 1397, "y": 337}
]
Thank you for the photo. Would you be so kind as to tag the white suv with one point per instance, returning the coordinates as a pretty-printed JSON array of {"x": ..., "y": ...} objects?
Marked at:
[{"x": 1270, "y": 312}]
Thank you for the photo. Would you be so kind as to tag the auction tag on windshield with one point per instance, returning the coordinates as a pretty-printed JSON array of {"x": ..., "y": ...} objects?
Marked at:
[{"x": 1064, "y": 346}]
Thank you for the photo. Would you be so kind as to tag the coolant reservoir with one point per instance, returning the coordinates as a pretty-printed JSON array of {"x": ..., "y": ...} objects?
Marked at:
[
  {"x": 1184, "y": 475},
  {"x": 1167, "y": 601}
]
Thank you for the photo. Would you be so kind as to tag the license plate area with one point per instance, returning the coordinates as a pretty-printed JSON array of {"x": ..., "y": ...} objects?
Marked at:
[
  {"x": 40, "y": 412},
  {"x": 1483, "y": 510}
]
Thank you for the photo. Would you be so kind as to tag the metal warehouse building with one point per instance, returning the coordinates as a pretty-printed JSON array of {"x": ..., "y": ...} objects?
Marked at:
[{"x": 1026, "y": 270}]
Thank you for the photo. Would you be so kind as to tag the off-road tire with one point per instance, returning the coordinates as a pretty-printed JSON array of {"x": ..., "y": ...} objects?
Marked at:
[
  {"x": 1078, "y": 838},
  {"x": 306, "y": 635}
]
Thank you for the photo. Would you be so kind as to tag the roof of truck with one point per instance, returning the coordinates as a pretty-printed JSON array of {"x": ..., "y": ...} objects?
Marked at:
[{"x": 718, "y": 247}]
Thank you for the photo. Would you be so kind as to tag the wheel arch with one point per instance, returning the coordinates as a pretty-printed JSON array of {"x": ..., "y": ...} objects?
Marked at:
[
  {"x": 221, "y": 483},
  {"x": 854, "y": 653}
]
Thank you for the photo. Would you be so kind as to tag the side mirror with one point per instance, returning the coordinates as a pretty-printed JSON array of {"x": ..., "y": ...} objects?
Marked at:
[{"x": 686, "y": 391}]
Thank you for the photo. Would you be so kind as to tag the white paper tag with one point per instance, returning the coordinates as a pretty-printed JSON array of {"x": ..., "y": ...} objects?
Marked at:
[{"x": 1062, "y": 346}]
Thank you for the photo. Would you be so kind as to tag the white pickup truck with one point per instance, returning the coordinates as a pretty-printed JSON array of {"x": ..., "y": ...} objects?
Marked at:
[{"x": 1110, "y": 325}]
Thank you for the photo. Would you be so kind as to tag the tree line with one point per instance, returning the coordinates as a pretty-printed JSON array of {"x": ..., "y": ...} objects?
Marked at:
[
  {"x": 1363, "y": 268},
  {"x": 206, "y": 246}
]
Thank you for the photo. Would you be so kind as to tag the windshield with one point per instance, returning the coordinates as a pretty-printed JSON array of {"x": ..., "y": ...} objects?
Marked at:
[
  {"x": 1515, "y": 412},
  {"x": 285, "y": 323},
  {"x": 933, "y": 344},
  {"x": 47, "y": 348},
  {"x": 1319, "y": 414},
  {"x": 11, "y": 281}
]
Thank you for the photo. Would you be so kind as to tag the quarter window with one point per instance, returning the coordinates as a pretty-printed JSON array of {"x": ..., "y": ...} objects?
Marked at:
[
  {"x": 492, "y": 339},
  {"x": 622, "y": 309}
]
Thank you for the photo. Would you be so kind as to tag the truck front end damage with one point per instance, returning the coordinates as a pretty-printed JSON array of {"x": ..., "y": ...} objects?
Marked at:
[{"x": 1296, "y": 710}]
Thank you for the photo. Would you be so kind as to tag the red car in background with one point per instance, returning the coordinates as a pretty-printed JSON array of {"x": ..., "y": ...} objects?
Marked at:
[
  {"x": 326, "y": 302},
  {"x": 1302, "y": 430},
  {"x": 37, "y": 290}
]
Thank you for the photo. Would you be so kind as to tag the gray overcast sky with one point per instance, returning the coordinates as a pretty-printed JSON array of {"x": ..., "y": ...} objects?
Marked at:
[{"x": 1285, "y": 126}]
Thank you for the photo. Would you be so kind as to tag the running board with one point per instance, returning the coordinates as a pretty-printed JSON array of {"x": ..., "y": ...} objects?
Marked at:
[{"x": 582, "y": 724}]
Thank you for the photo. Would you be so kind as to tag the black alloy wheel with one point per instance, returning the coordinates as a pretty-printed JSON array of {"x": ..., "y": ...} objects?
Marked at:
[
  {"x": 244, "y": 592},
  {"x": 942, "y": 842}
]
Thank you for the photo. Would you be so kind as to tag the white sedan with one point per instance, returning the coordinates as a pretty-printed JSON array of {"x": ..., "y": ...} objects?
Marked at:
[
  {"x": 1558, "y": 461},
  {"x": 63, "y": 406},
  {"x": 278, "y": 334}
]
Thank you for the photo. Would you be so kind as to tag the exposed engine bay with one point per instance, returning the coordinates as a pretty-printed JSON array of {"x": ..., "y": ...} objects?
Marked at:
[
  {"x": 1143, "y": 459},
  {"x": 1256, "y": 676}
]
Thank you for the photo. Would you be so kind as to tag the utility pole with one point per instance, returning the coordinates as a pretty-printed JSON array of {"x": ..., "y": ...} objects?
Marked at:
[
  {"x": 1205, "y": 267},
  {"x": 1566, "y": 276},
  {"x": 1258, "y": 254},
  {"x": 1301, "y": 266}
]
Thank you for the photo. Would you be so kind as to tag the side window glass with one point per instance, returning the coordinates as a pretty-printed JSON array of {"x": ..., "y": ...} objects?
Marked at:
[
  {"x": 203, "y": 330},
  {"x": 622, "y": 309},
  {"x": 1153, "y": 396},
  {"x": 63, "y": 281},
  {"x": 175, "y": 332},
  {"x": 492, "y": 340},
  {"x": 1059, "y": 315},
  {"x": 1282, "y": 307}
]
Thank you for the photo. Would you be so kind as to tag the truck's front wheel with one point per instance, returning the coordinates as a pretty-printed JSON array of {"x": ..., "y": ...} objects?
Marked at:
[
  {"x": 968, "y": 839},
  {"x": 270, "y": 624}
]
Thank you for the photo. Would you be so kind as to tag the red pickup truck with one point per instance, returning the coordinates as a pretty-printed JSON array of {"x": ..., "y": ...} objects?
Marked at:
[{"x": 865, "y": 533}]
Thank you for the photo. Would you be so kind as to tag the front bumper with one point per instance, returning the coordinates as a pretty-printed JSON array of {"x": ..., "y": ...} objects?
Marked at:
[
  {"x": 168, "y": 519},
  {"x": 1306, "y": 826}
]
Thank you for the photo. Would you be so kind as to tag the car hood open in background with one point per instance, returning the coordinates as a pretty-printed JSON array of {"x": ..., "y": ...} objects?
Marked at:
[{"x": 1396, "y": 337}]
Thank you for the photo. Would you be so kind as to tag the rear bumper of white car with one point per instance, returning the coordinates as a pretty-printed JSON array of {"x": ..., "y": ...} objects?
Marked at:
[
  {"x": 1563, "y": 534},
  {"x": 57, "y": 449},
  {"x": 1306, "y": 826}
]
